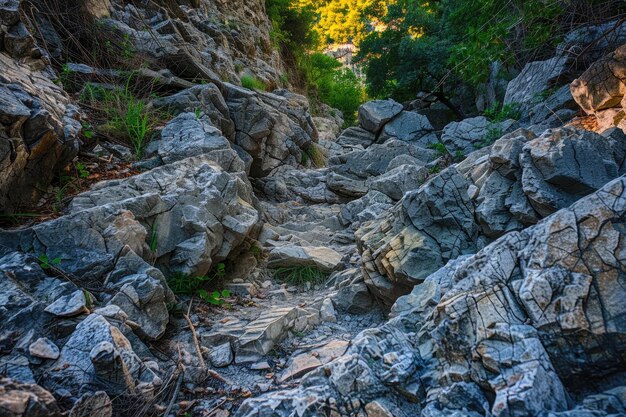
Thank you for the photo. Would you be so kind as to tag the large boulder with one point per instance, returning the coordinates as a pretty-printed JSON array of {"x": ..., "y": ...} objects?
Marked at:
[
  {"x": 520, "y": 328},
  {"x": 466, "y": 136},
  {"x": 410, "y": 127},
  {"x": 603, "y": 85},
  {"x": 26, "y": 400},
  {"x": 39, "y": 134},
  {"x": 373, "y": 115},
  {"x": 274, "y": 129}
]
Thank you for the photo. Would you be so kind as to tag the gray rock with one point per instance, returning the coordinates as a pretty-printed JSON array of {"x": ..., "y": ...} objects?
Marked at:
[
  {"x": 70, "y": 305},
  {"x": 205, "y": 99},
  {"x": 44, "y": 348},
  {"x": 410, "y": 127},
  {"x": 187, "y": 136},
  {"x": 398, "y": 181},
  {"x": 354, "y": 137},
  {"x": 273, "y": 129},
  {"x": 221, "y": 356},
  {"x": 325, "y": 259},
  {"x": 37, "y": 120},
  {"x": 374, "y": 114},
  {"x": 470, "y": 134},
  {"x": 327, "y": 311}
]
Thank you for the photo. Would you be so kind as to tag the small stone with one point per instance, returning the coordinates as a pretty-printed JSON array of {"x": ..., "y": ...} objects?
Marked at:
[
  {"x": 376, "y": 409},
  {"x": 260, "y": 366},
  {"x": 221, "y": 356},
  {"x": 69, "y": 305},
  {"x": 93, "y": 405},
  {"x": 327, "y": 312},
  {"x": 44, "y": 348}
]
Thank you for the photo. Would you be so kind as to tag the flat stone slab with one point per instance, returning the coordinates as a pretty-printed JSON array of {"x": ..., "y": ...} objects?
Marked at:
[
  {"x": 326, "y": 259},
  {"x": 306, "y": 362}
]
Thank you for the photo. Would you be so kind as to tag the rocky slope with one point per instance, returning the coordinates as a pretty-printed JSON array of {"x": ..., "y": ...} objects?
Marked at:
[{"x": 473, "y": 271}]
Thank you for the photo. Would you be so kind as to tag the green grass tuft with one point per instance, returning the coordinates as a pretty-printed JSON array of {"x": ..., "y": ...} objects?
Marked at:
[
  {"x": 252, "y": 83},
  {"x": 300, "y": 275}
]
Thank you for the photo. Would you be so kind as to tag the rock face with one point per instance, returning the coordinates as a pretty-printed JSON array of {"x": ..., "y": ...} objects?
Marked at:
[
  {"x": 374, "y": 114},
  {"x": 509, "y": 186},
  {"x": 466, "y": 136},
  {"x": 26, "y": 400},
  {"x": 502, "y": 324},
  {"x": 39, "y": 133}
]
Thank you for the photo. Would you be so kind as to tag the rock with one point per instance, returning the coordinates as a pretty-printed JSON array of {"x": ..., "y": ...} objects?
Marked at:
[
  {"x": 221, "y": 356},
  {"x": 557, "y": 109},
  {"x": 39, "y": 134},
  {"x": 70, "y": 305},
  {"x": 410, "y": 127},
  {"x": 273, "y": 129},
  {"x": 417, "y": 236},
  {"x": 98, "y": 354},
  {"x": 306, "y": 362},
  {"x": 97, "y": 404},
  {"x": 327, "y": 311},
  {"x": 365, "y": 208},
  {"x": 470, "y": 134},
  {"x": 44, "y": 348},
  {"x": 536, "y": 78},
  {"x": 602, "y": 86},
  {"x": 354, "y": 137},
  {"x": 497, "y": 324},
  {"x": 398, "y": 181},
  {"x": 26, "y": 400},
  {"x": 376, "y": 409},
  {"x": 325, "y": 259},
  {"x": 374, "y": 114},
  {"x": 354, "y": 298},
  {"x": 144, "y": 299},
  {"x": 207, "y": 100}
]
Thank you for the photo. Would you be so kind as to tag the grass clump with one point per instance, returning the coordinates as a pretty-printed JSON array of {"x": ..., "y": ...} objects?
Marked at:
[
  {"x": 126, "y": 116},
  {"x": 300, "y": 275},
  {"x": 183, "y": 284},
  {"x": 498, "y": 114},
  {"x": 316, "y": 155},
  {"x": 252, "y": 83}
]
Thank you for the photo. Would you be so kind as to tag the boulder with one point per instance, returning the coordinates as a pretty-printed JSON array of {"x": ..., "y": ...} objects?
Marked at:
[
  {"x": 411, "y": 127},
  {"x": 325, "y": 259},
  {"x": 526, "y": 322},
  {"x": 26, "y": 400},
  {"x": 603, "y": 85},
  {"x": 205, "y": 99},
  {"x": 39, "y": 134},
  {"x": 273, "y": 129},
  {"x": 470, "y": 134},
  {"x": 373, "y": 115}
]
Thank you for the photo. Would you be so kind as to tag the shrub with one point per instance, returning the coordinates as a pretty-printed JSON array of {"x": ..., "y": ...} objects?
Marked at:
[
  {"x": 252, "y": 83},
  {"x": 507, "y": 111}
]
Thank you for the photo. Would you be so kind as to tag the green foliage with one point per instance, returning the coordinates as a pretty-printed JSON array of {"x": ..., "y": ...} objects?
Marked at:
[
  {"x": 436, "y": 169},
  {"x": 214, "y": 297},
  {"x": 439, "y": 147},
  {"x": 445, "y": 45},
  {"x": 128, "y": 117},
  {"x": 497, "y": 114},
  {"x": 252, "y": 83},
  {"x": 300, "y": 275},
  {"x": 46, "y": 263},
  {"x": 493, "y": 134},
  {"x": 333, "y": 84}
]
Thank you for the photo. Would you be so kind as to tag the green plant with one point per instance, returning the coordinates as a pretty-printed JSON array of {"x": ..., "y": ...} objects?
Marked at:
[
  {"x": 45, "y": 262},
  {"x": 507, "y": 111},
  {"x": 82, "y": 170},
  {"x": 439, "y": 147},
  {"x": 459, "y": 156},
  {"x": 252, "y": 83},
  {"x": 128, "y": 50},
  {"x": 183, "y": 284},
  {"x": 214, "y": 297},
  {"x": 257, "y": 252},
  {"x": 436, "y": 169},
  {"x": 239, "y": 67},
  {"x": 87, "y": 131},
  {"x": 300, "y": 275},
  {"x": 154, "y": 239},
  {"x": 197, "y": 112}
]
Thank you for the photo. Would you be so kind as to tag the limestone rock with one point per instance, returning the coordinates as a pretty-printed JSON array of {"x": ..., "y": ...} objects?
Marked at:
[
  {"x": 410, "y": 127},
  {"x": 470, "y": 134},
  {"x": 26, "y": 400},
  {"x": 97, "y": 404},
  {"x": 44, "y": 348},
  {"x": 325, "y": 259},
  {"x": 327, "y": 312},
  {"x": 221, "y": 356},
  {"x": 374, "y": 114},
  {"x": 70, "y": 305},
  {"x": 603, "y": 85}
]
